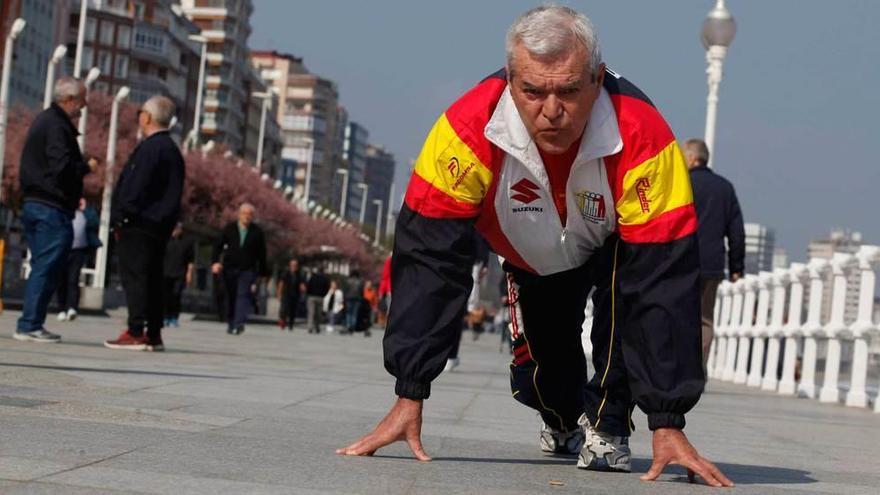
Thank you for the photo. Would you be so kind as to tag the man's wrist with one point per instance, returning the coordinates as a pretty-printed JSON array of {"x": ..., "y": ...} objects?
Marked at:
[
  {"x": 665, "y": 420},
  {"x": 412, "y": 389}
]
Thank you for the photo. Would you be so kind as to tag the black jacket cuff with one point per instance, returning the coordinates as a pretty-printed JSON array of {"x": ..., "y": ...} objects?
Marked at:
[
  {"x": 665, "y": 420},
  {"x": 412, "y": 390}
]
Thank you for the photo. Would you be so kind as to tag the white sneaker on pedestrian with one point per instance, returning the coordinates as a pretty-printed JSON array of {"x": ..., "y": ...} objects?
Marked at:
[
  {"x": 41, "y": 336},
  {"x": 561, "y": 442},
  {"x": 451, "y": 364},
  {"x": 602, "y": 451},
  {"x": 62, "y": 316},
  {"x": 71, "y": 314}
]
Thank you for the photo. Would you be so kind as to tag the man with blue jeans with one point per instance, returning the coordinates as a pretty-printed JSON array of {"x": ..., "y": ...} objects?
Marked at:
[{"x": 51, "y": 174}]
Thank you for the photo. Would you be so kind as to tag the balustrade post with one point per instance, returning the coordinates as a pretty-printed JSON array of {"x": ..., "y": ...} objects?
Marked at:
[
  {"x": 742, "y": 353},
  {"x": 863, "y": 326},
  {"x": 840, "y": 264},
  {"x": 738, "y": 290},
  {"x": 759, "y": 330},
  {"x": 797, "y": 273},
  {"x": 774, "y": 330},
  {"x": 807, "y": 386}
]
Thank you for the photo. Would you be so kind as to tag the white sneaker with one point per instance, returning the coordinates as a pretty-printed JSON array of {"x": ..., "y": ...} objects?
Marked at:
[
  {"x": 71, "y": 314},
  {"x": 561, "y": 442},
  {"x": 62, "y": 316},
  {"x": 451, "y": 364},
  {"x": 604, "y": 452}
]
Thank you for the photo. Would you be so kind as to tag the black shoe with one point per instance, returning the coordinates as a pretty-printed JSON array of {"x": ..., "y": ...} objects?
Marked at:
[
  {"x": 367, "y": 333},
  {"x": 239, "y": 330},
  {"x": 230, "y": 331}
]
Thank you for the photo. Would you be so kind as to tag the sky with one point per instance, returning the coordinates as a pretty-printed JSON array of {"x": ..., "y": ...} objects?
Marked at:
[{"x": 798, "y": 127}]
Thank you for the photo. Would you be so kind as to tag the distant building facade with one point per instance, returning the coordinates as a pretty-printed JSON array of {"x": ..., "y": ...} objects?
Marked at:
[{"x": 760, "y": 245}]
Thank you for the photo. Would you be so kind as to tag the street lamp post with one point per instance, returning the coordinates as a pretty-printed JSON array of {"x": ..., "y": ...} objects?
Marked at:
[
  {"x": 390, "y": 213},
  {"x": 91, "y": 77},
  {"x": 308, "y": 184},
  {"x": 194, "y": 133},
  {"x": 16, "y": 29},
  {"x": 365, "y": 187},
  {"x": 378, "y": 203},
  {"x": 104, "y": 229},
  {"x": 57, "y": 55},
  {"x": 80, "y": 38},
  {"x": 718, "y": 32},
  {"x": 266, "y": 97},
  {"x": 344, "y": 173}
]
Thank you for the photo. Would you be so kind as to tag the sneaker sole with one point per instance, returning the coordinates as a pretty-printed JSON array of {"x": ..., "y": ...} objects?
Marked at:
[
  {"x": 23, "y": 337},
  {"x": 602, "y": 467},
  {"x": 155, "y": 348},
  {"x": 129, "y": 347}
]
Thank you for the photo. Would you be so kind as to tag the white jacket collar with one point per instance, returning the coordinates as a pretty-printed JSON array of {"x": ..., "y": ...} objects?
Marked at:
[{"x": 506, "y": 130}]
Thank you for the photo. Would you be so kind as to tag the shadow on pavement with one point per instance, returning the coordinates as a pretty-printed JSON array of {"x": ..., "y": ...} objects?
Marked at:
[
  {"x": 741, "y": 474},
  {"x": 549, "y": 461},
  {"x": 112, "y": 370}
]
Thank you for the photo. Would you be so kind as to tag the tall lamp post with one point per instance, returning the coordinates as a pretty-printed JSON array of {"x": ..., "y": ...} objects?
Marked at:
[
  {"x": 344, "y": 173},
  {"x": 104, "y": 229},
  {"x": 365, "y": 187},
  {"x": 194, "y": 133},
  {"x": 16, "y": 29},
  {"x": 57, "y": 55},
  {"x": 308, "y": 185},
  {"x": 389, "y": 216},
  {"x": 91, "y": 77},
  {"x": 718, "y": 32},
  {"x": 267, "y": 100},
  {"x": 80, "y": 38},
  {"x": 378, "y": 203}
]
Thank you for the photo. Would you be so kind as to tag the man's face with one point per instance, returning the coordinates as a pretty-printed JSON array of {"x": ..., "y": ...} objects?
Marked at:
[
  {"x": 73, "y": 106},
  {"x": 554, "y": 97},
  {"x": 245, "y": 216},
  {"x": 144, "y": 120},
  {"x": 294, "y": 266}
]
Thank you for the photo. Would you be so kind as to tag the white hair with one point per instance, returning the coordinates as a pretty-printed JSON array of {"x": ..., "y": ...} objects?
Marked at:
[
  {"x": 66, "y": 88},
  {"x": 161, "y": 108},
  {"x": 551, "y": 30},
  {"x": 247, "y": 206}
]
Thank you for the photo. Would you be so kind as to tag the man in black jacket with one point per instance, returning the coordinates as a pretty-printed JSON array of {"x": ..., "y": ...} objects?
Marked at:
[
  {"x": 718, "y": 216},
  {"x": 242, "y": 246},
  {"x": 51, "y": 174},
  {"x": 146, "y": 206}
]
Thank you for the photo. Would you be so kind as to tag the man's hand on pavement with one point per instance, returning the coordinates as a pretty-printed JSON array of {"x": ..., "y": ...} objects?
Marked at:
[
  {"x": 671, "y": 446},
  {"x": 403, "y": 422}
]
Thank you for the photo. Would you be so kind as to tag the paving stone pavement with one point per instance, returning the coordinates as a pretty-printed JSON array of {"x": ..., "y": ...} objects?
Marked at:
[{"x": 263, "y": 412}]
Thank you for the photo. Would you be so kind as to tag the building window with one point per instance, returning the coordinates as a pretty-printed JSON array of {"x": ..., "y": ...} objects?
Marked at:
[
  {"x": 121, "y": 67},
  {"x": 123, "y": 37},
  {"x": 106, "y": 34},
  {"x": 87, "y": 60},
  {"x": 139, "y": 11},
  {"x": 104, "y": 62},
  {"x": 91, "y": 29}
]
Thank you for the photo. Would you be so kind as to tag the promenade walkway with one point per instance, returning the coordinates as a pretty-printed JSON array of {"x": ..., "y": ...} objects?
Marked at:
[{"x": 263, "y": 413}]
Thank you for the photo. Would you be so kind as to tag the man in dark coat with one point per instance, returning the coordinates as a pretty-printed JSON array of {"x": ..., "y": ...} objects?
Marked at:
[
  {"x": 51, "y": 175},
  {"x": 291, "y": 285},
  {"x": 146, "y": 206},
  {"x": 719, "y": 217},
  {"x": 240, "y": 253}
]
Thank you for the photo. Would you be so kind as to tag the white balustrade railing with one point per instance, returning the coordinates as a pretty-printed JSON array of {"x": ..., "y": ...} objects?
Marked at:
[{"x": 766, "y": 319}]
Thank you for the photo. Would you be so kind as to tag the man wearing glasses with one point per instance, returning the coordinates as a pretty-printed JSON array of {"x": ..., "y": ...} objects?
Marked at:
[{"x": 146, "y": 206}]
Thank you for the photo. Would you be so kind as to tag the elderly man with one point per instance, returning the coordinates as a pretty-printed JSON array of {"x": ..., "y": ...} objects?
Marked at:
[
  {"x": 574, "y": 178},
  {"x": 146, "y": 206},
  {"x": 240, "y": 253},
  {"x": 51, "y": 175},
  {"x": 719, "y": 217}
]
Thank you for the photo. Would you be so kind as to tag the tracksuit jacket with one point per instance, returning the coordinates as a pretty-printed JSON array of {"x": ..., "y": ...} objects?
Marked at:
[{"x": 479, "y": 170}]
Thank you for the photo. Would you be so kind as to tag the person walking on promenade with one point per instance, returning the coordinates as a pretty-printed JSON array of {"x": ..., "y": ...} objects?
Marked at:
[
  {"x": 384, "y": 293},
  {"x": 334, "y": 306},
  {"x": 146, "y": 206},
  {"x": 719, "y": 218},
  {"x": 316, "y": 289},
  {"x": 291, "y": 286},
  {"x": 574, "y": 178},
  {"x": 240, "y": 254},
  {"x": 354, "y": 301},
  {"x": 85, "y": 242},
  {"x": 177, "y": 273},
  {"x": 51, "y": 178}
]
